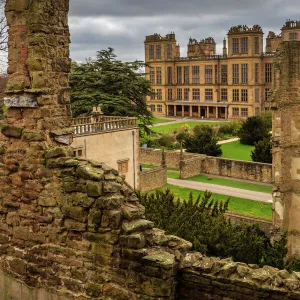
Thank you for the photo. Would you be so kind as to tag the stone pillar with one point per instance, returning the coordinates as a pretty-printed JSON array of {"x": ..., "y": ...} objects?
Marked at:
[
  {"x": 38, "y": 115},
  {"x": 286, "y": 143},
  {"x": 191, "y": 111},
  {"x": 217, "y": 112},
  {"x": 38, "y": 68}
]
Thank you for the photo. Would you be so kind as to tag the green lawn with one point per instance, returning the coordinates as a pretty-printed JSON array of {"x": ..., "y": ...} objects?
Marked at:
[
  {"x": 174, "y": 127},
  {"x": 236, "y": 150},
  {"x": 237, "y": 205},
  {"x": 158, "y": 120},
  {"x": 228, "y": 182}
]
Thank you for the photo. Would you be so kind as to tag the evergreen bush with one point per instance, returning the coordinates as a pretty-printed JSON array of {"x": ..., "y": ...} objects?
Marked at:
[
  {"x": 253, "y": 130},
  {"x": 262, "y": 151},
  {"x": 203, "y": 142},
  {"x": 202, "y": 221}
]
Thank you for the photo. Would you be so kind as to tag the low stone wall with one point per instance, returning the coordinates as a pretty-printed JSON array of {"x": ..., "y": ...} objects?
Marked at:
[
  {"x": 151, "y": 156},
  {"x": 239, "y": 169},
  {"x": 204, "y": 278},
  {"x": 194, "y": 164},
  {"x": 191, "y": 166},
  {"x": 153, "y": 178},
  {"x": 238, "y": 219}
]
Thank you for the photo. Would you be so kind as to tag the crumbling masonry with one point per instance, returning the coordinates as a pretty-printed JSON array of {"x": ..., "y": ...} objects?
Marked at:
[
  {"x": 71, "y": 228},
  {"x": 286, "y": 140}
]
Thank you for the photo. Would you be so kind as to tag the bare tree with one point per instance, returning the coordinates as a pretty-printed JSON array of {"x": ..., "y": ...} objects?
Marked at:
[{"x": 3, "y": 27}]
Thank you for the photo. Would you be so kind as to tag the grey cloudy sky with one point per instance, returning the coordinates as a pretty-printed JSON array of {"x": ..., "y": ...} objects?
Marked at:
[{"x": 123, "y": 24}]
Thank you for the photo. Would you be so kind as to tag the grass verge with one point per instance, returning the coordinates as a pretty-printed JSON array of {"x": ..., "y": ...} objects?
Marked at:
[
  {"x": 159, "y": 120},
  {"x": 236, "y": 205},
  {"x": 236, "y": 150},
  {"x": 175, "y": 127},
  {"x": 226, "y": 182}
]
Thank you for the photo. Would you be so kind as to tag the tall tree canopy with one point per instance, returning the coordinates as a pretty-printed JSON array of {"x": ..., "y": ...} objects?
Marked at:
[{"x": 117, "y": 86}]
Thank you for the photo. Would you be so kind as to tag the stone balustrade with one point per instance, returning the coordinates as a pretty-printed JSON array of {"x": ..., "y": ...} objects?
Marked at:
[{"x": 109, "y": 124}]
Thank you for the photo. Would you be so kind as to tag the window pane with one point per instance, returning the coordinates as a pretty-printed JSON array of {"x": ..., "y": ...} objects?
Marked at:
[
  {"x": 195, "y": 74},
  {"x": 208, "y": 74}
]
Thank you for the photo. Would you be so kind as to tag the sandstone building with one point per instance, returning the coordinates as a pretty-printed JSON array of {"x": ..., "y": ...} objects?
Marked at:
[
  {"x": 112, "y": 140},
  {"x": 234, "y": 85}
]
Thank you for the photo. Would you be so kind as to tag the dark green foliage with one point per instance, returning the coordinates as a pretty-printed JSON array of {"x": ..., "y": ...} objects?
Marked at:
[
  {"x": 201, "y": 221},
  {"x": 275, "y": 254},
  {"x": 293, "y": 265},
  {"x": 253, "y": 130},
  {"x": 263, "y": 151},
  {"x": 203, "y": 141},
  {"x": 181, "y": 137},
  {"x": 191, "y": 219},
  {"x": 117, "y": 86},
  {"x": 231, "y": 128},
  {"x": 166, "y": 141},
  {"x": 267, "y": 118}
]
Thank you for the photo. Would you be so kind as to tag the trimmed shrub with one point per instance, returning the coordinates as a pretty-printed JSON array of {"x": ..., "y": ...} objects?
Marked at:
[
  {"x": 203, "y": 141},
  {"x": 253, "y": 130},
  {"x": 262, "y": 151}
]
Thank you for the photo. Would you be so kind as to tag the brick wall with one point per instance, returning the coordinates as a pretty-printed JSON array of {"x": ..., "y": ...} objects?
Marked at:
[{"x": 153, "y": 178}]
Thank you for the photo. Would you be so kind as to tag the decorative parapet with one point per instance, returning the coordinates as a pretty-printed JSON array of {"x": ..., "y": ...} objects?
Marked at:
[
  {"x": 103, "y": 124},
  {"x": 289, "y": 24},
  {"x": 202, "y": 57},
  {"x": 208, "y": 40},
  {"x": 158, "y": 38},
  {"x": 245, "y": 29},
  {"x": 273, "y": 35}
]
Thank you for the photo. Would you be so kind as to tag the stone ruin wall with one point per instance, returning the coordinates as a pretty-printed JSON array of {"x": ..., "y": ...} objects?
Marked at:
[
  {"x": 286, "y": 143},
  {"x": 71, "y": 228}
]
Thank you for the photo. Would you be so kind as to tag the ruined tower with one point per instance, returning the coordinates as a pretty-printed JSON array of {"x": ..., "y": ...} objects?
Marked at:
[{"x": 286, "y": 143}]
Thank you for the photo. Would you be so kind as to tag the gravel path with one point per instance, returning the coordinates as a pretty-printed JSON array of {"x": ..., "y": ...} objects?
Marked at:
[{"x": 219, "y": 189}]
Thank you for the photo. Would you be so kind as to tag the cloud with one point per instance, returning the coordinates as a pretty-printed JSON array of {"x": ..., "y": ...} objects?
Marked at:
[{"x": 123, "y": 24}]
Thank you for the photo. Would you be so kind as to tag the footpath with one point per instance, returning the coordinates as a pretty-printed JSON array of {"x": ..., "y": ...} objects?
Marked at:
[{"x": 219, "y": 189}]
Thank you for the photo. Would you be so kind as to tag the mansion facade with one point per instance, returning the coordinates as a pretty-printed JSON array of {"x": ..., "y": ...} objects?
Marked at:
[{"x": 234, "y": 85}]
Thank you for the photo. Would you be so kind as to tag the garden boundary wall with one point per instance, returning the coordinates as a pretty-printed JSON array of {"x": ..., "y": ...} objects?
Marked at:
[
  {"x": 239, "y": 219},
  {"x": 151, "y": 179},
  {"x": 194, "y": 164}
]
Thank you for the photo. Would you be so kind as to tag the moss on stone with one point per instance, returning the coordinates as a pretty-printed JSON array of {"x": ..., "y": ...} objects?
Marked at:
[
  {"x": 37, "y": 136},
  {"x": 11, "y": 131}
]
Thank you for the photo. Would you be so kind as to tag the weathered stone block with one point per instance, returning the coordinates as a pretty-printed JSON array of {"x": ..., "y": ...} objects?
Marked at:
[
  {"x": 76, "y": 213},
  {"x": 88, "y": 172},
  {"x": 56, "y": 152},
  {"x": 132, "y": 212},
  {"x": 161, "y": 259},
  {"x": 135, "y": 241},
  {"x": 74, "y": 225},
  {"x": 23, "y": 100},
  {"x": 111, "y": 187},
  {"x": 93, "y": 289},
  {"x": 109, "y": 237},
  {"x": 12, "y": 131},
  {"x": 138, "y": 225},
  {"x": 110, "y": 201},
  {"x": 34, "y": 136},
  {"x": 111, "y": 218},
  {"x": 94, "y": 189}
]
